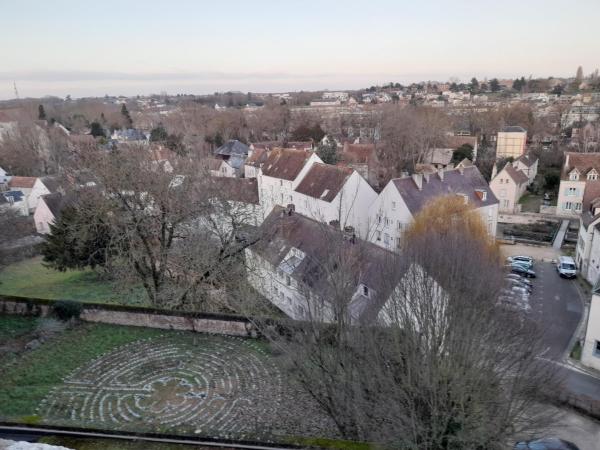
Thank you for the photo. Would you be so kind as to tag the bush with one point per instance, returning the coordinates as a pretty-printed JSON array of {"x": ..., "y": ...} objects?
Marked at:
[{"x": 67, "y": 309}]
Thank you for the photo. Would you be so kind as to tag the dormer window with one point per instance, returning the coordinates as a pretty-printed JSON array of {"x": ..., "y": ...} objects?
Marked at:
[
  {"x": 574, "y": 175},
  {"x": 592, "y": 175},
  {"x": 365, "y": 291}
]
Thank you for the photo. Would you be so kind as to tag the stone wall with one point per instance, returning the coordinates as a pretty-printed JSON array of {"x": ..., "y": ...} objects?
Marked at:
[{"x": 230, "y": 325}]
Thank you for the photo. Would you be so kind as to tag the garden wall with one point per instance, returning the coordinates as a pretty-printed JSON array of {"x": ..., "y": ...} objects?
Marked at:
[{"x": 225, "y": 324}]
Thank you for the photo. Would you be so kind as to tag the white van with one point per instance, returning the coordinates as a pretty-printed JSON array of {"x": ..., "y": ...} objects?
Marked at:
[{"x": 566, "y": 267}]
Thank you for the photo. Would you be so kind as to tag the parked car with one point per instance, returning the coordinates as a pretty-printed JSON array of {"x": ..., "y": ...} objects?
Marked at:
[
  {"x": 519, "y": 285},
  {"x": 523, "y": 271},
  {"x": 521, "y": 259},
  {"x": 546, "y": 444},
  {"x": 513, "y": 276},
  {"x": 566, "y": 267}
]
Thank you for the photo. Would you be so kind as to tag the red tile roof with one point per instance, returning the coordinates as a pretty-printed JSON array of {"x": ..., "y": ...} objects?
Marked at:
[
  {"x": 324, "y": 181},
  {"x": 285, "y": 163},
  {"x": 22, "y": 182}
]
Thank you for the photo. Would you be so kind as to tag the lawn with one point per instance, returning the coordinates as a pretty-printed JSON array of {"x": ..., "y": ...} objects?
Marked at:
[
  {"x": 530, "y": 202},
  {"x": 14, "y": 326},
  {"x": 28, "y": 381},
  {"x": 29, "y": 278}
]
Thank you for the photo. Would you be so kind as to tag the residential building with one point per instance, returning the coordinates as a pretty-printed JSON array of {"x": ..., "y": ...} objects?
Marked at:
[
  {"x": 578, "y": 171},
  {"x": 438, "y": 158},
  {"x": 528, "y": 164},
  {"x": 590, "y": 355},
  {"x": 587, "y": 253},
  {"x": 15, "y": 200},
  {"x": 363, "y": 159},
  {"x": 234, "y": 153},
  {"x": 4, "y": 178},
  {"x": 48, "y": 211},
  {"x": 511, "y": 142},
  {"x": 254, "y": 162},
  {"x": 508, "y": 186},
  {"x": 43, "y": 186},
  {"x": 403, "y": 198},
  {"x": 25, "y": 186},
  {"x": 334, "y": 194},
  {"x": 297, "y": 260},
  {"x": 281, "y": 174}
]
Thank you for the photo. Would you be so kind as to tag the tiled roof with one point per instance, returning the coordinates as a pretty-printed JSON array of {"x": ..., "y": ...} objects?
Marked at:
[
  {"x": 258, "y": 157},
  {"x": 22, "y": 182},
  {"x": 243, "y": 190},
  {"x": 583, "y": 162},
  {"x": 285, "y": 163},
  {"x": 518, "y": 176},
  {"x": 528, "y": 159},
  {"x": 281, "y": 232},
  {"x": 324, "y": 181},
  {"x": 455, "y": 181},
  {"x": 514, "y": 129},
  {"x": 591, "y": 195},
  {"x": 358, "y": 153},
  {"x": 233, "y": 147}
]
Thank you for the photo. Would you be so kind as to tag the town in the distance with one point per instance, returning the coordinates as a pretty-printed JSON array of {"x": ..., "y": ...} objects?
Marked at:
[{"x": 406, "y": 265}]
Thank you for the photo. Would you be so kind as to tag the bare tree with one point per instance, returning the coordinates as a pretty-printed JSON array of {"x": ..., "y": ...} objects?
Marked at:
[{"x": 434, "y": 362}]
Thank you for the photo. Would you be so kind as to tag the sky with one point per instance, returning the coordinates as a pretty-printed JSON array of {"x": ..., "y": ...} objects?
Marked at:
[{"x": 131, "y": 47}]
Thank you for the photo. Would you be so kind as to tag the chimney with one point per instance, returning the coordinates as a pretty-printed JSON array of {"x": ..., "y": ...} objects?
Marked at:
[
  {"x": 567, "y": 160},
  {"x": 290, "y": 208},
  {"x": 441, "y": 174},
  {"x": 418, "y": 179},
  {"x": 404, "y": 174}
]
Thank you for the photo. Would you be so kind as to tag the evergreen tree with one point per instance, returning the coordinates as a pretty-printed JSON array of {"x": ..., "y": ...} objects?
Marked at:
[
  {"x": 97, "y": 130},
  {"x": 41, "y": 112},
  {"x": 126, "y": 116},
  {"x": 494, "y": 85},
  {"x": 579, "y": 75},
  {"x": 328, "y": 151},
  {"x": 158, "y": 134},
  {"x": 76, "y": 241},
  {"x": 474, "y": 84}
]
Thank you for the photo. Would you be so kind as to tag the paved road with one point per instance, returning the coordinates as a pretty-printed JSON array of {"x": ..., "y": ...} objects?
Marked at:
[{"x": 558, "y": 306}]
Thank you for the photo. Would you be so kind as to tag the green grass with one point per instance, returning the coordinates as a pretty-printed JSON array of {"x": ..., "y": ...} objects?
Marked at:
[
  {"x": 530, "y": 202},
  {"x": 335, "y": 444},
  {"x": 29, "y": 278},
  {"x": 114, "y": 444},
  {"x": 26, "y": 382},
  {"x": 576, "y": 351},
  {"x": 14, "y": 326}
]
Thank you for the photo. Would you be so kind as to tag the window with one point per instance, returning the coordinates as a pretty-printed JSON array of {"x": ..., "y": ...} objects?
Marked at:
[
  {"x": 288, "y": 280},
  {"x": 567, "y": 206},
  {"x": 386, "y": 239},
  {"x": 574, "y": 176},
  {"x": 592, "y": 176},
  {"x": 577, "y": 206},
  {"x": 365, "y": 291},
  {"x": 378, "y": 218},
  {"x": 291, "y": 201},
  {"x": 280, "y": 182},
  {"x": 393, "y": 206},
  {"x": 505, "y": 203},
  {"x": 387, "y": 221},
  {"x": 571, "y": 191},
  {"x": 378, "y": 235},
  {"x": 597, "y": 349}
]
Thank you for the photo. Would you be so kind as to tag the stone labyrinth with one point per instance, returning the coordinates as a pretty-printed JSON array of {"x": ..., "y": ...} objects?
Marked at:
[{"x": 221, "y": 385}]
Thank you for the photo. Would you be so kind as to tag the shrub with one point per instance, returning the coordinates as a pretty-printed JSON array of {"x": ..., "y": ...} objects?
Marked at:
[{"x": 67, "y": 309}]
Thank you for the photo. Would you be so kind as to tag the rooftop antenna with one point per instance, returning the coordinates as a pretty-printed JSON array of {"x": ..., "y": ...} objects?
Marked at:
[{"x": 16, "y": 91}]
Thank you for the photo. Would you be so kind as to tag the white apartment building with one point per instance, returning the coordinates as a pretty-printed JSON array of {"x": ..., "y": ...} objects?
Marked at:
[
  {"x": 508, "y": 186},
  {"x": 590, "y": 356},
  {"x": 403, "y": 198}
]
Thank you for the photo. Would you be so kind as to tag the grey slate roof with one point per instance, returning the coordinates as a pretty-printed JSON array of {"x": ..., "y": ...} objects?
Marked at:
[
  {"x": 454, "y": 182},
  {"x": 518, "y": 176},
  {"x": 233, "y": 147},
  {"x": 56, "y": 202},
  {"x": 514, "y": 129},
  {"x": 281, "y": 232}
]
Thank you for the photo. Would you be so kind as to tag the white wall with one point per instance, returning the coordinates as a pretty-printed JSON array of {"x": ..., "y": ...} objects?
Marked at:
[
  {"x": 349, "y": 207},
  {"x": 37, "y": 191},
  {"x": 590, "y": 356},
  {"x": 43, "y": 217},
  {"x": 389, "y": 217},
  {"x": 566, "y": 196}
]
